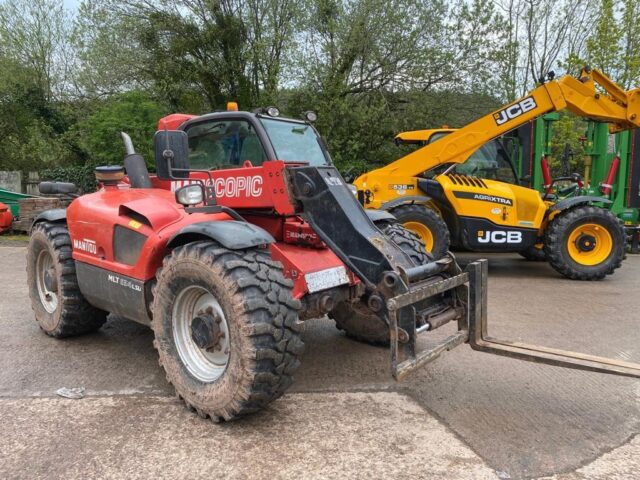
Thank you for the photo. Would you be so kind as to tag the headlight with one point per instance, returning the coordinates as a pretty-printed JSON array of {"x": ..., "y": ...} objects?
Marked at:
[
  {"x": 190, "y": 195},
  {"x": 310, "y": 116},
  {"x": 353, "y": 189},
  {"x": 273, "y": 111}
]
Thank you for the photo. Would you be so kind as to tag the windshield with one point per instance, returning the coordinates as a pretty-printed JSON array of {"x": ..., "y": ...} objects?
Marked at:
[
  {"x": 490, "y": 161},
  {"x": 294, "y": 142}
]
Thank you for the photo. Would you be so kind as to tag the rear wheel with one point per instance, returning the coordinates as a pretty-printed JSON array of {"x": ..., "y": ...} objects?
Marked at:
[
  {"x": 59, "y": 307},
  {"x": 585, "y": 243},
  {"x": 358, "y": 321},
  {"x": 226, "y": 329},
  {"x": 535, "y": 253},
  {"x": 427, "y": 224}
]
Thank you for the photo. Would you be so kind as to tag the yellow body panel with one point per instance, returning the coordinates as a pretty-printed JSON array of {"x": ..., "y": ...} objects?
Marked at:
[{"x": 501, "y": 203}]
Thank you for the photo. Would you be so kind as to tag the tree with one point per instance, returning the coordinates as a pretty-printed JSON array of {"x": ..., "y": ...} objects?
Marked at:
[
  {"x": 195, "y": 53},
  {"x": 542, "y": 36},
  {"x": 134, "y": 113},
  {"x": 630, "y": 28},
  {"x": 35, "y": 34},
  {"x": 603, "y": 47}
]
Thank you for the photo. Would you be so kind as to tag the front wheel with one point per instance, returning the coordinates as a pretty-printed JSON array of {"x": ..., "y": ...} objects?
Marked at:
[
  {"x": 585, "y": 243},
  {"x": 226, "y": 329},
  {"x": 358, "y": 321},
  {"x": 427, "y": 224}
]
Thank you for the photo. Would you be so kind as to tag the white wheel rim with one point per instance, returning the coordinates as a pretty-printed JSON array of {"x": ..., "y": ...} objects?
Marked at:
[
  {"x": 44, "y": 267},
  {"x": 207, "y": 366}
]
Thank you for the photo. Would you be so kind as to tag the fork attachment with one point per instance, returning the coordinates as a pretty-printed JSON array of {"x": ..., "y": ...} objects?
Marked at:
[
  {"x": 481, "y": 341},
  {"x": 468, "y": 305}
]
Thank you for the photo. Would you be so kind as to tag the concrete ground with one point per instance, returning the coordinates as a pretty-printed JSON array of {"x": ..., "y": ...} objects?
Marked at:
[{"x": 468, "y": 415}]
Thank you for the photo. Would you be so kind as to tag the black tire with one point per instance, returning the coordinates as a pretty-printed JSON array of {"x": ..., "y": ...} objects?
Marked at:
[
  {"x": 534, "y": 254},
  {"x": 430, "y": 219},
  {"x": 59, "y": 307},
  {"x": 558, "y": 235},
  {"x": 359, "y": 322},
  {"x": 261, "y": 318}
]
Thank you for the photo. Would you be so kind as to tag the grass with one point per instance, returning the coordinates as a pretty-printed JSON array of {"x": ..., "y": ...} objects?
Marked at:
[{"x": 15, "y": 238}]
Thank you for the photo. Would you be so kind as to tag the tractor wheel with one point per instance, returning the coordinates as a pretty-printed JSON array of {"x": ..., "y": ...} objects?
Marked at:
[
  {"x": 585, "y": 243},
  {"x": 59, "y": 307},
  {"x": 226, "y": 328},
  {"x": 358, "y": 321},
  {"x": 427, "y": 224},
  {"x": 535, "y": 253}
]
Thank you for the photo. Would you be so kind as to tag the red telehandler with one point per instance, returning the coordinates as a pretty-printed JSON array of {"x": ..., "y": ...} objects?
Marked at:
[{"x": 245, "y": 230}]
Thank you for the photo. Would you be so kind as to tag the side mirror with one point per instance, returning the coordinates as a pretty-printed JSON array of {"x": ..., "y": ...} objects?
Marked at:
[{"x": 172, "y": 154}]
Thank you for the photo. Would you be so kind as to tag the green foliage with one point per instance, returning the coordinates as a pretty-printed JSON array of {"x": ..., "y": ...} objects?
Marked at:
[
  {"x": 134, "y": 113},
  {"x": 82, "y": 176},
  {"x": 603, "y": 48},
  {"x": 369, "y": 68},
  {"x": 568, "y": 130},
  {"x": 33, "y": 128},
  {"x": 630, "y": 29}
]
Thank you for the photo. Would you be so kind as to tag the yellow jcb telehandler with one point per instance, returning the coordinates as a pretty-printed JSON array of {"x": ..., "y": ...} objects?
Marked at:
[{"x": 478, "y": 206}]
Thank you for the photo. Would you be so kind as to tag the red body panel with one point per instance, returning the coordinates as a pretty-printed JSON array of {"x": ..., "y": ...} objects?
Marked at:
[
  {"x": 298, "y": 232},
  {"x": 247, "y": 187},
  {"x": 155, "y": 214},
  {"x": 298, "y": 261},
  {"x": 92, "y": 219},
  {"x": 173, "y": 121},
  {"x": 6, "y": 218}
]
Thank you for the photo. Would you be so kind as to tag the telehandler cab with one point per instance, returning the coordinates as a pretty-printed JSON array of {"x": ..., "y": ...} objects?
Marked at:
[
  {"x": 245, "y": 230},
  {"x": 433, "y": 193}
]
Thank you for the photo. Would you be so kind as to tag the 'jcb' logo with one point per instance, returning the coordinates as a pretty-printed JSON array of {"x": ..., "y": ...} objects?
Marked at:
[
  {"x": 499, "y": 236},
  {"x": 514, "y": 111}
]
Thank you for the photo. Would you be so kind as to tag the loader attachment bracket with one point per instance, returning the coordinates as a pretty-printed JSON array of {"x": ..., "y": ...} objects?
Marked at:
[{"x": 403, "y": 328}]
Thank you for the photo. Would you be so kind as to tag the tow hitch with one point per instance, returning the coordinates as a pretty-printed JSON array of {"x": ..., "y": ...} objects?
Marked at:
[{"x": 471, "y": 290}]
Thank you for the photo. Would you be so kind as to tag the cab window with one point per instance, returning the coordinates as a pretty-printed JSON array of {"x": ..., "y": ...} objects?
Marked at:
[
  {"x": 490, "y": 161},
  {"x": 220, "y": 144}
]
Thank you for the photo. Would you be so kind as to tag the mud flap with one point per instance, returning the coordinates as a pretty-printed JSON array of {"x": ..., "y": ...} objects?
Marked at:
[{"x": 471, "y": 291}]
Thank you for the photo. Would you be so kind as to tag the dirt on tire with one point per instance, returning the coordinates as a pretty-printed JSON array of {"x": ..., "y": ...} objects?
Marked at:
[
  {"x": 354, "y": 318},
  {"x": 73, "y": 315},
  {"x": 265, "y": 344},
  {"x": 429, "y": 218}
]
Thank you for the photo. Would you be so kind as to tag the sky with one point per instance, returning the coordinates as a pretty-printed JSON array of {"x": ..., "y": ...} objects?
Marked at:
[{"x": 71, "y": 5}]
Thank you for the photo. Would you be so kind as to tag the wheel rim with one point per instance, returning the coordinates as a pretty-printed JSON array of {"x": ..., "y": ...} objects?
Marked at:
[
  {"x": 589, "y": 244},
  {"x": 205, "y": 364},
  {"x": 423, "y": 232},
  {"x": 46, "y": 281}
]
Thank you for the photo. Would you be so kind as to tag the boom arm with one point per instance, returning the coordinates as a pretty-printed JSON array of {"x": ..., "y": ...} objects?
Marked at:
[{"x": 619, "y": 108}]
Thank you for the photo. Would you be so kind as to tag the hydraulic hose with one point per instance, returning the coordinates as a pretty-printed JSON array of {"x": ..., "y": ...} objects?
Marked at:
[
  {"x": 606, "y": 187},
  {"x": 546, "y": 174}
]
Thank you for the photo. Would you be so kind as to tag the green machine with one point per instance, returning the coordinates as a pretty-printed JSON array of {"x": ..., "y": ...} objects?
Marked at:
[
  {"x": 611, "y": 167},
  {"x": 11, "y": 199}
]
